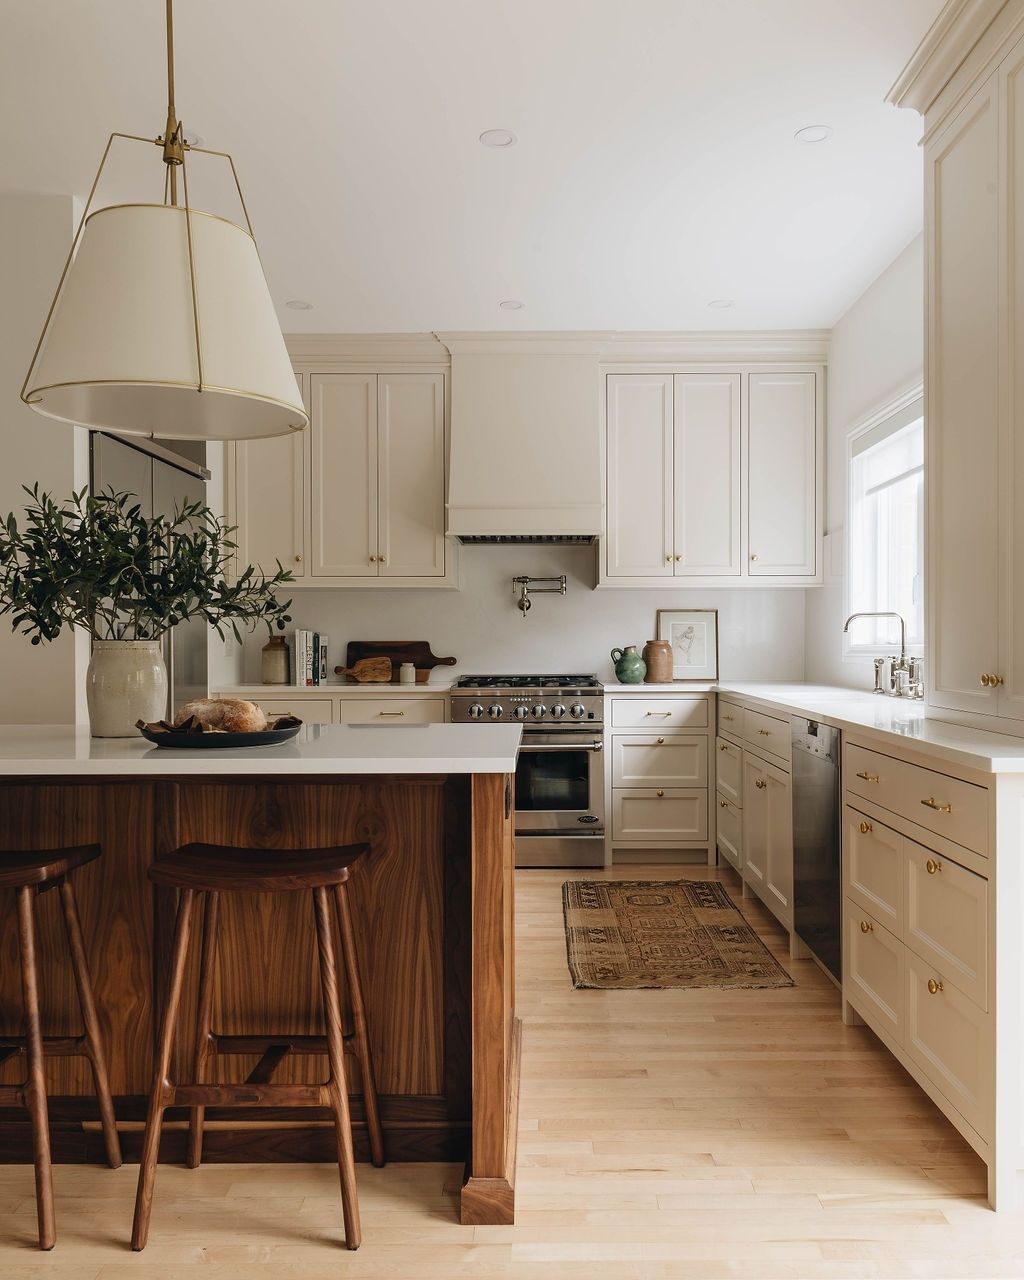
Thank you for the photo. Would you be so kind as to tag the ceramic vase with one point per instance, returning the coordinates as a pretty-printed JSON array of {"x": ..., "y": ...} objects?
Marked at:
[
  {"x": 658, "y": 657},
  {"x": 126, "y": 681},
  {"x": 630, "y": 668}
]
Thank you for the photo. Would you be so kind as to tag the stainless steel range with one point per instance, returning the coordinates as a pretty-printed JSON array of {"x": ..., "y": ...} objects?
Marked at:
[{"x": 560, "y": 819}]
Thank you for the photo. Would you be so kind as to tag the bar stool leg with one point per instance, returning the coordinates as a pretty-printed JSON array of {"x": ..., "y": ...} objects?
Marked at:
[
  {"x": 35, "y": 1089},
  {"x": 359, "y": 1024},
  {"x": 161, "y": 1089},
  {"x": 336, "y": 1088},
  {"x": 203, "y": 1052},
  {"x": 91, "y": 1022}
]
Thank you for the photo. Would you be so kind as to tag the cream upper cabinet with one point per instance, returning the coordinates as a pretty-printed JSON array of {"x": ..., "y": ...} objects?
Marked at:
[
  {"x": 411, "y": 475},
  {"x": 343, "y": 510},
  {"x": 962, "y": 459},
  {"x": 782, "y": 475},
  {"x": 640, "y": 501},
  {"x": 706, "y": 465},
  {"x": 265, "y": 483}
]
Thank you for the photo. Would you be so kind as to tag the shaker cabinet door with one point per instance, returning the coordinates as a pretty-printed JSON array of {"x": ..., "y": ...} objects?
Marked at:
[
  {"x": 706, "y": 464},
  {"x": 411, "y": 469},
  {"x": 640, "y": 476},
  {"x": 343, "y": 508},
  {"x": 782, "y": 469}
]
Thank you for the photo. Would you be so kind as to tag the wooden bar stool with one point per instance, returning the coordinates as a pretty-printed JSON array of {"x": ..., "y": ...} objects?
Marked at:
[
  {"x": 201, "y": 872},
  {"x": 32, "y": 873}
]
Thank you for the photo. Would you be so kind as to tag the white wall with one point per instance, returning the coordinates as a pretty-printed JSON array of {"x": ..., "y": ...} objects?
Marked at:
[
  {"x": 876, "y": 354},
  {"x": 37, "y": 683},
  {"x": 761, "y": 631}
]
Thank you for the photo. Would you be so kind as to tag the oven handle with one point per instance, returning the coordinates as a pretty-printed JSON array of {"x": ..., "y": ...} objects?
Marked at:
[{"x": 598, "y": 745}]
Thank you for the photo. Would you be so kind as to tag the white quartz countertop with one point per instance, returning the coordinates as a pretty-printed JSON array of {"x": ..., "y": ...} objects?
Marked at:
[
  {"x": 30, "y": 751},
  {"x": 887, "y": 718}
]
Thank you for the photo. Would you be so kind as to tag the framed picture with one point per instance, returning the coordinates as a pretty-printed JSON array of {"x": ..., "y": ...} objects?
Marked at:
[{"x": 693, "y": 635}]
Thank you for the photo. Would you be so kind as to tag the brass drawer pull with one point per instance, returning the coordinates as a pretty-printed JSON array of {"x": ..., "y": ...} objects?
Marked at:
[
  {"x": 865, "y": 827},
  {"x": 868, "y": 777},
  {"x": 657, "y": 713},
  {"x": 934, "y": 987},
  {"x": 932, "y": 803},
  {"x": 391, "y": 713},
  {"x": 931, "y": 866},
  {"x": 866, "y": 926},
  {"x": 765, "y": 733}
]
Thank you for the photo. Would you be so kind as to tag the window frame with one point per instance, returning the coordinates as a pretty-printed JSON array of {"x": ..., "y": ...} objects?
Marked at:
[{"x": 853, "y": 651}]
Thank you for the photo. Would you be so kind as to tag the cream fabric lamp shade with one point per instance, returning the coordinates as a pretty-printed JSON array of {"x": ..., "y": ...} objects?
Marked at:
[{"x": 120, "y": 350}]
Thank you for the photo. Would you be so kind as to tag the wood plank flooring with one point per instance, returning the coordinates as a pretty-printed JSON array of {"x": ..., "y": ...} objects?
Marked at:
[{"x": 663, "y": 1135}]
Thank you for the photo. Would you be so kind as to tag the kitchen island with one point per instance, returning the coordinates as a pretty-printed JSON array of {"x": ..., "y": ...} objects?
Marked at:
[{"x": 433, "y": 914}]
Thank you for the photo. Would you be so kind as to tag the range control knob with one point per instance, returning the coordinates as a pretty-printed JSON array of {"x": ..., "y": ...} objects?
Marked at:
[
  {"x": 557, "y": 711},
  {"x": 577, "y": 711},
  {"x": 520, "y": 713},
  {"x": 537, "y": 711},
  {"x": 495, "y": 711},
  {"x": 475, "y": 711}
]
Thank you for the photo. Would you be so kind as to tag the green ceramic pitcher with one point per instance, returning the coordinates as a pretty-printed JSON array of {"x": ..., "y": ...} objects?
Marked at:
[{"x": 630, "y": 668}]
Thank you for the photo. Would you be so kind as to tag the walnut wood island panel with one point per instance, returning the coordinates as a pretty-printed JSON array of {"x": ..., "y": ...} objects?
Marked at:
[{"x": 433, "y": 910}]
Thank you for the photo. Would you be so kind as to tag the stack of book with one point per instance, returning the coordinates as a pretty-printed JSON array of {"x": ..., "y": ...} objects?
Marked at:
[{"x": 309, "y": 658}]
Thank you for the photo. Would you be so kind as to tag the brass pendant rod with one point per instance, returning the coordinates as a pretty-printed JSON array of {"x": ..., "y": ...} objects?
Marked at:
[
  {"x": 192, "y": 271},
  {"x": 174, "y": 151}
]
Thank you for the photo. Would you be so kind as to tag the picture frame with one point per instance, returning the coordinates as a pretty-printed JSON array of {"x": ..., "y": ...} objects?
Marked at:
[{"x": 693, "y": 635}]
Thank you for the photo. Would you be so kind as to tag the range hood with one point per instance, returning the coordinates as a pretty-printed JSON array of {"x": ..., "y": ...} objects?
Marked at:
[{"x": 525, "y": 444}]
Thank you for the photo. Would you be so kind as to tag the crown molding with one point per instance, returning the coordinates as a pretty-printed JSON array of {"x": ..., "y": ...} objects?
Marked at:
[
  {"x": 328, "y": 349},
  {"x": 946, "y": 45}
]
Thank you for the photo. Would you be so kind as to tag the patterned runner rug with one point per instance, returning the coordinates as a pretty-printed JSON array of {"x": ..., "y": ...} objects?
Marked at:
[{"x": 662, "y": 933}]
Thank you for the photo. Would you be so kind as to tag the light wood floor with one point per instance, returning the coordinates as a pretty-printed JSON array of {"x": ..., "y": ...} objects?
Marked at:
[{"x": 663, "y": 1134}]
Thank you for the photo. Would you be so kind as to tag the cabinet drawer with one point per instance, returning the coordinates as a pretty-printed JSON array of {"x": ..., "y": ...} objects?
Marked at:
[
  {"x": 952, "y": 808},
  {"x": 729, "y": 771},
  {"x": 659, "y": 713},
  {"x": 309, "y": 710},
  {"x": 392, "y": 710},
  {"x": 641, "y": 814},
  {"x": 730, "y": 718},
  {"x": 653, "y": 760},
  {"x": 874, "y": 868},
  {"x": 730, "y": 831},
  {"x": 768, "y": 733},
  {"x": 948, "y": 1036},
  {"x": 874, "y": 971},
  {"x": 947, "y": 919}
]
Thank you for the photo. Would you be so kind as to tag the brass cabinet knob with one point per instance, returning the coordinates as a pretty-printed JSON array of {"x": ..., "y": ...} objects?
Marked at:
[
  {"x": 298, "y": 559},
  {"x": 760, "y": 783},
  {"x": 866, "y": 926},
  {"x": 668, "y": 559},
  {"x": 679, "y": 559},
  {"x": 722, "y": 804},
  {"x": 984, "y": 681},
  {"x": 660, "y": 741},
  {"x": 865, "y": 827},
  {"x": 991, "y": 681},
  {"x": 752, "y": 556},
  {"x": 373, "y": 559},
  {"x": 934, "y": 987},
  {"x": 660, "y": 793},
  {"x": 931, "y": 866}
]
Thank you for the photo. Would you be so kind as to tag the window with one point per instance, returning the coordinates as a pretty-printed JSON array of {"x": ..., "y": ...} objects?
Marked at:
[{"x": 886, "y": 529}]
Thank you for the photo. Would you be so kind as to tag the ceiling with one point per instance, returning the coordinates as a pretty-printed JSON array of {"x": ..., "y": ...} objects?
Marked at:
[{"x": 655, "y": 168}]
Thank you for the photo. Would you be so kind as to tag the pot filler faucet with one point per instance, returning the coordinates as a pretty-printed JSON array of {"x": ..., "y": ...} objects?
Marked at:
[
  {"x": 524, "y": 584},
  {"x": 906, "y": 675}
]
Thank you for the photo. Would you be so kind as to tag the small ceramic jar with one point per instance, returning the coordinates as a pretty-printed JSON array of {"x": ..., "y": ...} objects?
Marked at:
[
  {"x": 658, "y": 656},
  {"x": 629, "y": 666},
  {"x": 274, "y": 661}
]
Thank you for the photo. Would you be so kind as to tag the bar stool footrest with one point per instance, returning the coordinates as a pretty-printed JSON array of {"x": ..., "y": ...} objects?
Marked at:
[{"x": 248, "y": 1095}]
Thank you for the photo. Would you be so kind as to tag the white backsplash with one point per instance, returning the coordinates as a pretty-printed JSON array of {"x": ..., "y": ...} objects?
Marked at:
[{"x": 761, "y": 632}]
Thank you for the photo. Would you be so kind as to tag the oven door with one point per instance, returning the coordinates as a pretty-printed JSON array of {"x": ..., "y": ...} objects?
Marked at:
[{"x": 560, "y": 784}]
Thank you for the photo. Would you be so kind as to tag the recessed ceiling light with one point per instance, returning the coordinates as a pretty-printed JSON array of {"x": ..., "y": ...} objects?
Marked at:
[
  {"x": 720, "y": 304},
  {"x": 298, "y": 304},
  {"x": 498, "y": 138},
  {"x": 813, "y": 133},
  {"x": 511, "y": 304}
]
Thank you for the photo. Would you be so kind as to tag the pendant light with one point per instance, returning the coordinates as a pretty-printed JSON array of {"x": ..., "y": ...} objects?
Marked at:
[{"x": 162, "y": 323}]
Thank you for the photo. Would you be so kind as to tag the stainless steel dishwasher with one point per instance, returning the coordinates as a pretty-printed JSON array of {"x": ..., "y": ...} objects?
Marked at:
[{"x": 817, "y": 876}]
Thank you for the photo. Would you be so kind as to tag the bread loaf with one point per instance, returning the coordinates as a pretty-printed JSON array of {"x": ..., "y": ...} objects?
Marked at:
[{"x": 224, "y": 715}]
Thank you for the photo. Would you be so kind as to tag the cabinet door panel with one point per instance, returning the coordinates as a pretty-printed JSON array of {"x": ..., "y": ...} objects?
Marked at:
[
  {"x": 642, "y": 814},
  {"x": 779, "y": 852},
  {"x": 410, "y": 440},
  {"x": 730, "y": 832},
  {"x": 873, "y": 867},
  {"x": 729, "y": 771},
  {"x": 344, "y": 475},
  {"x": 640, "y": 475},
  {"x": 644, "y": 760},
  {"x": 755, "y": 819},
  {"x": 266, "y": 500},
  {"x": 947, "y": 918},
  {"x": 874, "y": 963},
  {"x": 706, "y": 463},
  {"x": 782, "y": 475},
  {"x": 962, "y": 445}
]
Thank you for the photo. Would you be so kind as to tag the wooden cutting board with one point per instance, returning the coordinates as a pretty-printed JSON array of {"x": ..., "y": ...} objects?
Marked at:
[{"x": 415, "y": 651}]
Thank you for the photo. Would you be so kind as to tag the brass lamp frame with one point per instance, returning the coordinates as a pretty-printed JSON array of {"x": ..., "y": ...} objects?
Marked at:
[{"x": 174, "y": 149}]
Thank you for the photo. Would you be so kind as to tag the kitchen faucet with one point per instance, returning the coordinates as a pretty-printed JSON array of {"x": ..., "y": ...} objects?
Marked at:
[
  {"x": 913, "y": 685},
  {"x": 524, "y": 584}
]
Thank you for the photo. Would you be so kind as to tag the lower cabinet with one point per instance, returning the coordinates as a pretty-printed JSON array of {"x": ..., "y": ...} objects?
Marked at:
[
  {"x": 659, "y": 814},
  {"x": 874, "y": 962},
  {"x": 768, "y": 835},
  {"x": 730, "y": 833},
  {"x": 392, "y": 710},
  {"x": 308, "y": 710},
  {"x": 336, "y": 708}
]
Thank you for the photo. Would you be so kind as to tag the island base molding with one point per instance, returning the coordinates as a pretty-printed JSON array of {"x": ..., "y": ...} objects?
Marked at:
[{"x": 434, "y": 925}]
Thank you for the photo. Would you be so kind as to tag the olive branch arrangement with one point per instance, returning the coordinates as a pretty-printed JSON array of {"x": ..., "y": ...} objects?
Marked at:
[{"x": 96, "y": 562}]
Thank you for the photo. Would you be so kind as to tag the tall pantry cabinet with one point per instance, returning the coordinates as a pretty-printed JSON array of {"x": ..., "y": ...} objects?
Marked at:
[{"x": 968, "y": 83}]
